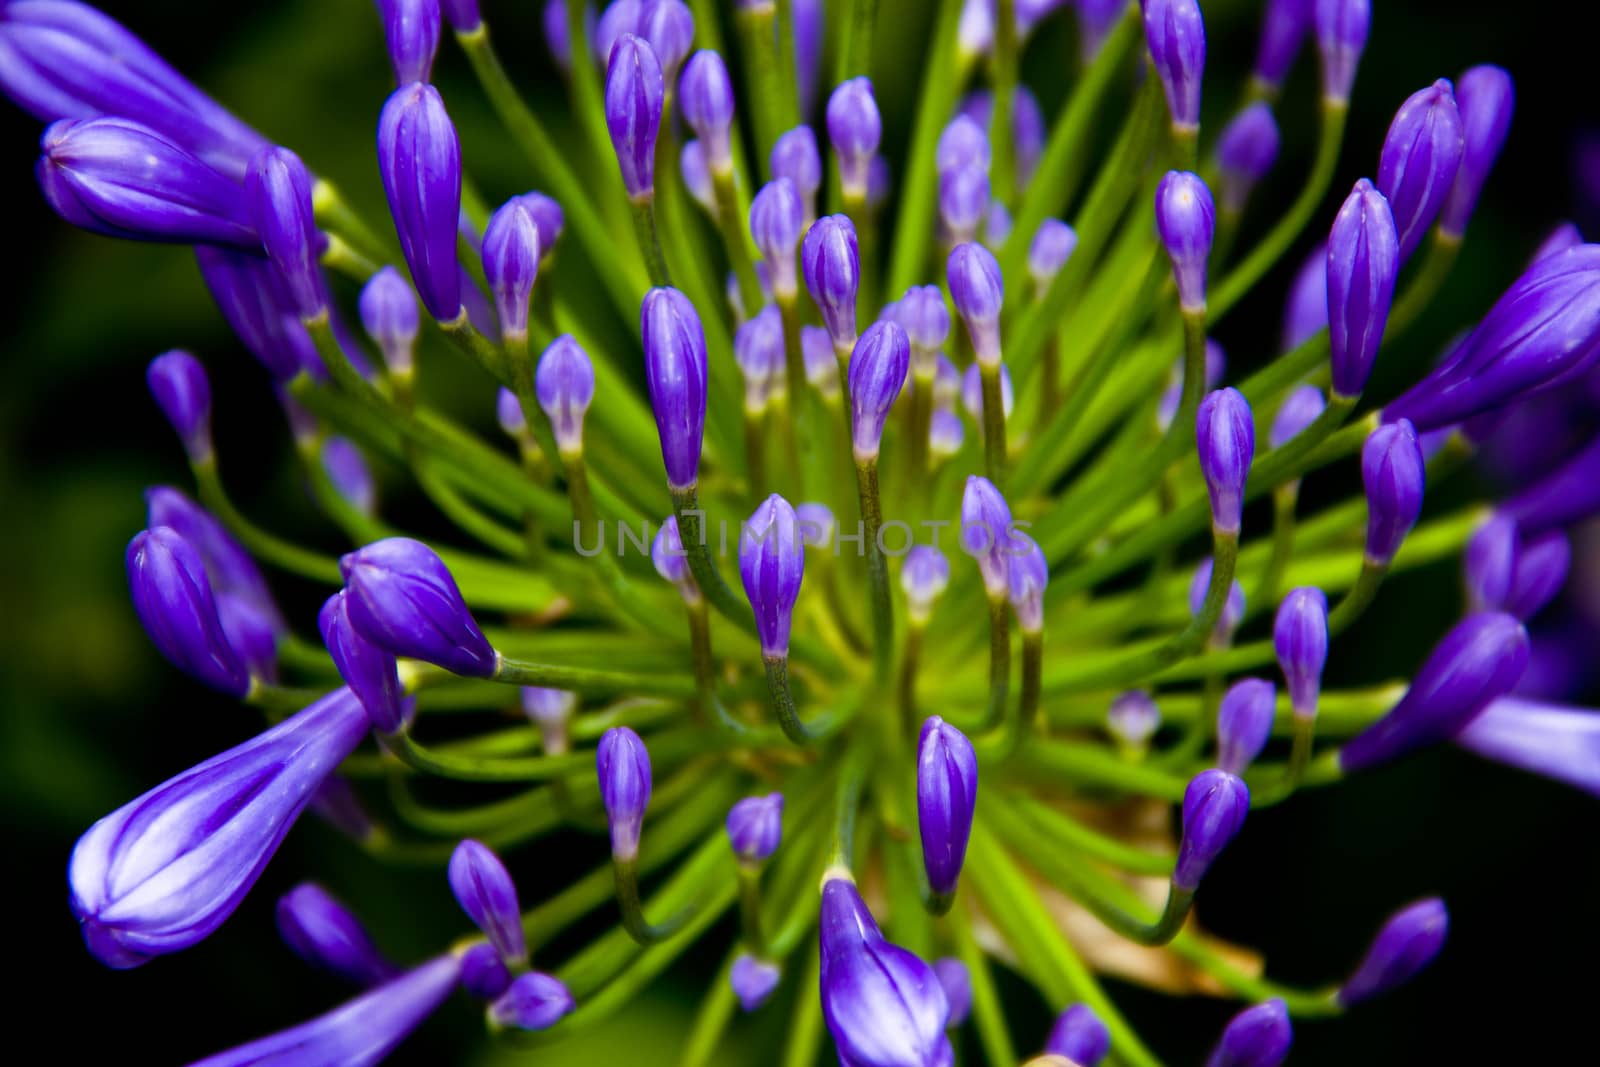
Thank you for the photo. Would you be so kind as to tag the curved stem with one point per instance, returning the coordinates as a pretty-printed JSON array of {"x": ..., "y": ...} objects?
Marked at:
[
  {"x": 591, "y": 680},
  {"x": 783, "y": 701},
  {"x": 633, "y": 920},
  {"x": 691, "y": 531}
]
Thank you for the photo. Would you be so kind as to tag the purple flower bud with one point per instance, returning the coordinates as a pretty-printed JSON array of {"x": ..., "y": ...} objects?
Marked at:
[
  {"x": 947, "y": 795},
  {"x": 879, "y": 182},
  {"x": 1305, "y": 313},
  {"x": 946, "y": 382},
  {"x": 1490, "y": 563},
  {"x": 772, "y": 563},
  {"x": 1027, "y": 124},
  {"x": 1557, "y": 742},
  {"x": 564, "y": 385},
  {"x": 1246, "y": 150},
  {"x": 1226, "y": 437},
  {"x": 822, "y": 368},
  {"x": 228, "y": 565},
  {"x": 1284, "y": 26},
  {"x": 253, "y": 298},
  {"x": 1300, "y": 638},
  {"x": 883, "y": 1005},
  {"x": 975, "y": 31},
  {"x": 1133, "y": 717},
  {"x": 926, "y": 320},
  {"x": 635, "y": 93},
  {"x": 755, "y": 827},
  {"x": 963, "y": 200},
  {"x": 668, "y": 556},
  {"x": 1027, "y": 576},
  {"x": 278, "y": 192},
  {"x": 511, "y": 254},
  {"x": 1541, "y": 571},
  {"x": 668, "y": 27},
  {"x": 173, "y": 598},
  {"x": 1079, "y": 1036},
  {"x": 618, "y": 18},
  {"x": 115, "y": 177},
  {"x": 1259, "y": 1036},
  {"x": 336, "y": 803},
  {"x": 411, "y": 28},
  {"x": 1176, "y": 35},
  {"x": 1484, "y": 96},
  {"x": 1479, "y": 660},
  {"x": 776, "y": 220},
  {"x": 163, "y": 871},
  {"x": 1187, "y": 221},
  {"x": 946, "y": 434},
  {"x": 753, "y": 980},
  {"x": 181, "y": 390},
  {"x": 419, "y": 157},
  {"x": 1563, "y": 237},
  {"x": 997, "y": 225},
  {"x": 1300, "y": 409},
  {"x": 482, "y": 974},
  {"x": 373, "y": 1023},
  {"x": 624, "y": 768},
  {"x": 795, "y": 156},
  {"x": 1232, "y": 609},
  {"x": 854, "y": 130},
  {"x": 978, "y": 292},
  {"x": 322, "y": 932},
  {"x": 1052, "y": 245},
  {"x": 485, "y": 891},
  {"x": 1214, "y": 808},
  {"x": 1244, "y": 723},
  {"x": 956, "y": 982},
  {"x": 1342, "y": 27},
  {"x": 1545, "y": 326},
  {"x": 696, "y": 171},
  {"x": 551, "y": 711},
  {"x": 402, "y": 598},
  {"x": 462, "y": 15},
  {"x": 705, "y": 99},
  {"x": 389, "y": 315},
  {"x": 878, "y": 369},
  {"x": 1417, "y": 167},
  {"x": 548, "y": 218},
  {"x": 923, "y": 578},
  {"x": 986, "y": 533},
  {"x": 962, "y": 143},
  {"x": 368, "y": 670},
  {"x": 675, "y": 371},
  {"x": 1363, "y": 260},
  {"x": 1407, "y": 943},
  {"x": 1394, "y": 474},
  {"x": 831, "y": 263},
  {"x": 508, "y": 413},
  {"x": 817, "y": 524}
]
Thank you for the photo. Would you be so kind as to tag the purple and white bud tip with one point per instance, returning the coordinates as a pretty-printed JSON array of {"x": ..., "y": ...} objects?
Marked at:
[
  {"x": 182, "y": 391},
  {"x": 635, "y": 95},
  {"x": 947, "y": 796},
  {"x": 277, "y": 188},
  {"x": 676, "y": 375},
  {"x": 1214, "y": 807},
  {"x": 878, "y": 368},
  {"x": 1133, "y": 718},
  {"x": 623, "y": 765},
  {"x": 1244, "y": 723},
  {"x": 986, "y": 530},
  {"x": 772, "y": 565},
  {"x": 1342, "y": 27},
  {"x": 755, "y": 827},
  {"x": 390, "y": 316},
  {"x": 419, "y": 158},
  {"x": 1176, "y": 36},
  {"x": 1485, "y": 97},
  {"x": 1028, "y": 575},
  {"x": 173, "y": 597},
  {"x": 534, "y": 1001},
  {"x": 753, "y": 980},
  {"x": 367, "y": 669},
  {"x": 485, "y": 891},
  {"x": 978, "y": 292},
  {"x": 924, "y": 576},
  {"x": 1232, "y": 609},
  {"x": 564, "y": 385},
  {"x": 1299, "y": 410},
  {"x": 1300, "y": 639},
  {"x": 1052, "y": 245},
  {"x": 1226, "y": 438},
  {"x": 705, "y": 99},
  {"x": 1394, "y": 474},
  {"x": 1186, "y": 218},
  {"x": 855, "y": 129},
  {"x": 1418, "y": 164},
  {"x": 831, "y": 263},
  {"x": 956, "y": 981},
  {"x": 776, "y": 220},
  {"x": 1246, "y": 151},
  {"x": 511, "y": 254}
]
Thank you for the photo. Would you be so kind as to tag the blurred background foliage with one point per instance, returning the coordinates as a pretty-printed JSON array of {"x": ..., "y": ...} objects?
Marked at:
[{"x": 92, "y": 716}]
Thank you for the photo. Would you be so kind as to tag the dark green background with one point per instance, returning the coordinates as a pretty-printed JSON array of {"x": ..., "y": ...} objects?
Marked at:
[{"x": 90, "y": 716}]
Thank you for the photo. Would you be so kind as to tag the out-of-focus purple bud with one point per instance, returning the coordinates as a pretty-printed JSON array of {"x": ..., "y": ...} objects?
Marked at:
[
  {"x": 978, "y": 292},
  {"x": 817, "y": 525},
  {"x": 854, "y": 130},
  {"x": 1133, "y": 717},
  {"x": 368, "y": 670},
  {"x": 551, "y": 711},
  {"x": 1342, "y": 27},
  {"x": 879, "y": 181},
  {"x": 997, "y": 225},
  {"x": 1300, "y": 409},
  {"x": 1246, "y": 150},
  {"x": 419, "y": 157},
  {"x": 986, "y": 533},
  {"x": 635, "y": 94},
  {"x": 347, "y": 469},
  {"x": 511, "y": 254},
  {"x": 1027, "y": 124},
  {"x": 772, "y": 564},
  {"x": 1079, "y": 1036},
  {"x": 1232, "y": 609},
  {"x": 669, "y": 558},
  {"x": 753, "y": 980},
  {"x": 1489, "y": 563},
  {"x": 924, "y": 576},
  {"x": 1479, "y": 660},
  {"x": 1176, "y": 35},
  {"x": 336, "y": 803},
  {"x": 1226, "y": 438},
  {"x": 253, "y": 298},
  {"x": 508, "y": 413},
  {"x": 1559, "y": 743},
  {"x": 1563, "y": 237},
  {"x": 1484, "y": 97},
  {"x": 696, "y": 171},
  {"x": 278, "y": 192},
  {"x": 1417, "y": 167},
  {"x": 253, "y": 633},
  {"x": 831, "y": 262},
  {"x": 676, "y": 373},
  {"x": 229, "y": 566},
  {"x": 411, "y": 28},
  {"x": 482, "y": 974},
  {"x": 1284, "y": 26},
  {"x": 956, "y": 982},
  {"x": 462, "y": 15},
  {"x": 1305, "y": 313},
  {"x": 963, "y": 199},
  {"x": 926, "y": 320},
  {"x": 975, "y": 29},
  {"x": 618, "y": 18},
  {"x": 1363, "y": 260},
  {"x": 755, "y": 827},
  {"x": 972, "y": 392},
  {"x": 173, "y": 598},
  {"x": 181, "y": 390},
  {"x": 1052, "y": 245},
  {"x": 1394, "y": 474},
  {"x": 1300, "y": 638},
  {"x": 1244, "y": 723},
  {"x": 623, "y": 765},
  {"x": 403, "y": 599},
  {"x": 1214, "y": 807},
  {"x": 1027, "y": 576},
  {"x": 485, "y": 891},
  {"x": 776, "y": 220},
  {"x": 564, "y": 385},
  {"x": 705, "y": 99},
  {"x": 389, "y": 315},
  {"x": 1216, "y": 369},
  {"x": 321, "y": 931},
  {"x": 946, "y": 382},
  {"x": 115, "y": 177},
  {"x": 822, "y": 368},
  {"x": 163, "y": 871},
  {"x": 878, "y": 367},
  {"x": 882, "y": 1004},
  {"x": 1407, "y": 943},
  {"x": 1541, "y": 571},
  {"x": 668, "y": 27},
  {"x": 962, "y": 143},
  {"x": 1186, "y": 220},
  {"x": 795, "y": 156},
  {"x": 533, "y": 1001},
  {"x": 1259, "y": 1036},
  {"x": 946, "y": 434},
  {"x": 548, "y": 218}
]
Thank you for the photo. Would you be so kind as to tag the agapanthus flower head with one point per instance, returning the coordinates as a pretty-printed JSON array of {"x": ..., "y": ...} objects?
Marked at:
[
  {"x": 1300, "y": 639},
  {"x": 978, "y": 291},
  {"x": 753, "y": 980},
  {"x": 1259, "y": 1036},
  {"x": 623, "y": 764},
  {"x": 1079, "y": 1036},
  {"x": 163, "y": 871},
  {"x": 795, "y": 156},
  {"x": 1176, "y": 36},
  {"x": 564, "y": 385},
  {"x": 1342, "y": 27},
  {"x": 1244, "y": 723},
  {"x": 772, "y": 564},
  {"x": 411, "y": 28},
  {"x": 668, "y": 27},
  {"x": 1363, "y": 261},
  {"x": 1052, "y": 245},
  {"x": 705, "y": 99},
  {"x": 963, "y": 200},
  {"x": 831, "y": 262},
  {"x": 404, "y": 599},
  {"x": 1187, "y": 221},
  {"x": 326, "y": 935},
  {"x": 1485, "y": 98},
  {"x": 963, "y": 142},
  {"x": 1246, "y": 151},
  {"x": 390, "y": 317},
  {"x": 1306, "y": 310},
  {"x": 1420, "y": 157},
  {"x": 947, "y": 796},
  {"x": 368, "y": 670},
  {"x": 485, "y": 891},
  {"x": 854, "y": 130},
  {"x": 878, "y": 367},
  {"x": 173, "y": 598},
  {"x": 1478, "y": 661},
  {"x": 1407, "y": 943},
  {"x": 882, "y": 1004},
  {"x": 1299, "y": 410},
  {"x": 511, "y": 253},
  {"x": 755, "y": 827},
  {"x": 635, "y": 95},
  {"x": 1214, "y": 807},
  {"x": 182, "y": 391},
  {"x": 986, "y": 530},
  {"x": 419, "y": 158},
  {"x": 676, "y": 374},
  {"x": 956, "y": 981},
  {"x": 1394, "y": 474},
  {"x": 776, "y": 220},
  {"x": 1133, "y": 717},
  {"x": 1284, "y": 27},
  {"x": 533, "y": 1001},
  {"x": 1226, "y": 437},
  {"x": 1027, "y": 577}
]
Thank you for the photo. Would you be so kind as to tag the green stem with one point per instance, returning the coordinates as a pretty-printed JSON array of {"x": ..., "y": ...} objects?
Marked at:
[
  {"x": 910, "y": 655},
  {"x": 913, "y": 227},
  {"x": 644, "y": 231},
  {"x": 788, "y": 80},
  {"x": 877, "y": 568},
  {"x": 1284, "y": 500},
  {"x": 999, "y": 662},
  {"x": 1004, "y": 72},
  {"x": 1424, "y": 285},
  {"x": 590, "y": 679},
  {"x": 750, "y": 909},
  {"x": 783, "y": 701},
  {"x": 271, "y": 549},
  {"x": 691, "y": 530},
  {"x": 988, "y": 1014},
  {"x": 469, "y": 769},
  {"x": 994, "y": 423},
  {"x": 855, "y": 56},
  {"x": 632, "y": 908},
  {"x": 763, "y": 74},
  {"x": 755, "y": 453}
]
